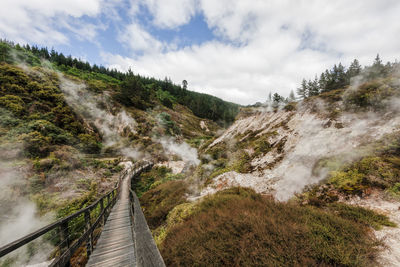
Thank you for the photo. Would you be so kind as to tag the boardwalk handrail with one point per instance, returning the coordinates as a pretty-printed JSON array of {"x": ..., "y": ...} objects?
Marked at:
[
  {"x": 88, "y": 236},
  {"x": 147, "y": 253}
]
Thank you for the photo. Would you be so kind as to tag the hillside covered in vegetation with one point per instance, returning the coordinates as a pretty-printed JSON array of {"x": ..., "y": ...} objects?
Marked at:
[
  {"x": 135, "y": 90},
  {"x": 313, "y": 182},
  {"x": 307, "y": 183},
  {"x": 66, "y": 132}
]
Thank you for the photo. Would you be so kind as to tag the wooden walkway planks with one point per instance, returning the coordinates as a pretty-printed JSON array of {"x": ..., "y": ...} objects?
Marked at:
[{"x": 115, "y": 246}]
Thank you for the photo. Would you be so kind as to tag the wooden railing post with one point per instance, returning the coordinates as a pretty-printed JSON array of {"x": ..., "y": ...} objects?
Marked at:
[{"x": 88, "y": 224}]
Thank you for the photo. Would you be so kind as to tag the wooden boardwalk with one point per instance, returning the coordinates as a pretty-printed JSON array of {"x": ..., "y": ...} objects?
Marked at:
[
  {"x": 116, "y": 246},
  {"x": 125, "y": 239}
]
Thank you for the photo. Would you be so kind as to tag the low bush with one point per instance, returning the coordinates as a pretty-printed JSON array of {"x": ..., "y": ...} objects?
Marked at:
[
  {"x": 36, "y": 144},
  {"x": 238, "y": 227},
  {"x": 159, "y": 201},
  {"x": 374, "y": 171},
  {"x": 89, "y": 144},
  {"x": 153, "y": 178},
  {"x": 166, "y": 98},
  {"x": 361, "y": 215},
  {"x": 169, "y": 125},
  {"x": 13, "y": 103},
  {"x": 370, "y": 95}
]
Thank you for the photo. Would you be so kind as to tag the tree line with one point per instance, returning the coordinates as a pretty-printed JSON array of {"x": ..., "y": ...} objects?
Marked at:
[{"x": 339, "y": 77}]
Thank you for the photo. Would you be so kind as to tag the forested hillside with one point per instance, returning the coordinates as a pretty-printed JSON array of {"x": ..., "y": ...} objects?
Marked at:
[{"x": 139, "y": 91}]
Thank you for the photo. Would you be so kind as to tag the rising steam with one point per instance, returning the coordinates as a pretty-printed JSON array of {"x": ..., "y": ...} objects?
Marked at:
[{"x": 310, "y": 138}]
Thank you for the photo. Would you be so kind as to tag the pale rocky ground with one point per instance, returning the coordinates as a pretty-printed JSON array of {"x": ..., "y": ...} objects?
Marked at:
[
  {"x": 391, "y": 235},
  {"x": 42, "y": 264},
  {"x": 309, "y": 138},
  {"x": 204, "y": 126},
  {"x": 176, "y": 166}
]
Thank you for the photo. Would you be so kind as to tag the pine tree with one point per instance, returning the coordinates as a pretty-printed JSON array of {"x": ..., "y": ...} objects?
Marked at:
[
  {"x": 329, "y": 80},
  {"x": 313, "y": 88},
  {"x": 377, "y": 69},
  {"x": 354, "y": 69},
  {"x": 184, "y": 84},
  {"x": 292, "y": 97},
  {"x": 302, "y": 91},
  {"x": 322, "y": 82},
  {"x": 377, "y": 61},
  {"x": 341, "y": 77},
  {"x": 276, "y": 99}
]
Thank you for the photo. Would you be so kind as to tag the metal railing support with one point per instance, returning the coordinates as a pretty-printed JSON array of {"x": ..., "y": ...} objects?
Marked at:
[{"x": 88, "y": 225}]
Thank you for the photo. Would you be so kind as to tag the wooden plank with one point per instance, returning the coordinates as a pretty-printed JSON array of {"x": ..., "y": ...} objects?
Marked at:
[{"x": 115, "y": 246}]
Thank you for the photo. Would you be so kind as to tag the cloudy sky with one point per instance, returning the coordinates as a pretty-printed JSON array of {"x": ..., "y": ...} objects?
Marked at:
[{"x": 239, "y": 50}]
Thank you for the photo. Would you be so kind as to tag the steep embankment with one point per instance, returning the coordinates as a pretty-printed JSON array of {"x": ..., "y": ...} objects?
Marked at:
[{"x": 285, "y": 149}]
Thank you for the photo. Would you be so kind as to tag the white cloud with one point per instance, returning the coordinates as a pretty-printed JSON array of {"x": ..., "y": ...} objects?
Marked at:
[
  {"x": 268, "y": 45},
  {"x": 170, "y": 13},
  {"x": 260, "y": 45},
  {"x": 37, "y": 20},
  {"x": 140, "y": 40}
]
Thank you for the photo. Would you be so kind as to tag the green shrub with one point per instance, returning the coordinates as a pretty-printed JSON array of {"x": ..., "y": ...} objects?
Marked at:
[
  {"x": 36, "y": 144},
  {"x": 371, "y": 171},
  {"x": 7, "y": 119},
  {"x": 262, "y": 146},
  {"x": 291, "y": 106},
  {"x": 89, "y": 144},
  {"x": 243, "y": 165},
  {"x": 13, "y": 103},
  {"x": 166, "y": 98},
  {"x": 96, "y": 86},
  {"x": 395, "y": 190},
  {"x": 349, "y": 181},
  {"x": 12, "y": 75},
  {"x": 16, "y": 89},
  {"x": 369, "y": 95},
  {"x": 169, "y": 125}
]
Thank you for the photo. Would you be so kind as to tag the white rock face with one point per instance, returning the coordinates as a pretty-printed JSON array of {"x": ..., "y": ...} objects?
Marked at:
[
  {"x": 307, "y": 139},
  {"x": 176, "y": 166},
  {"x": 203, "y": 126}
]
